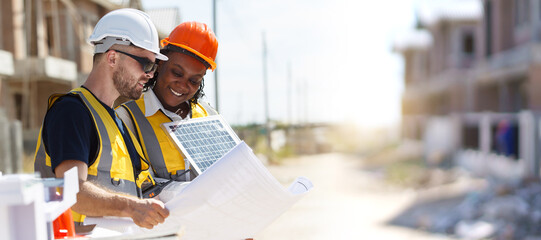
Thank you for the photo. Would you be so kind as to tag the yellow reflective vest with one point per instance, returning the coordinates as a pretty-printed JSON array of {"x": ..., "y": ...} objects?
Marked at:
[
  {"x": 162, "y": 153},
  {"x": 112, "y": 167}
]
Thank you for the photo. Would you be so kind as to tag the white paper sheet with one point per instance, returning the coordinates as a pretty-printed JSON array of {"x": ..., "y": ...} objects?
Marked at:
[{"x": 234, "y": 199}]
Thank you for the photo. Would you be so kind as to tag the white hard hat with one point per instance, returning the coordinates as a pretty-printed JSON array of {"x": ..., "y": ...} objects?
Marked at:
[{"x": 125, "y": 26}]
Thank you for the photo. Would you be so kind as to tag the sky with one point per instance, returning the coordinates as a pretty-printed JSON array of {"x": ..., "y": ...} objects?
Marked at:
[{"x": 327, "y": 61}]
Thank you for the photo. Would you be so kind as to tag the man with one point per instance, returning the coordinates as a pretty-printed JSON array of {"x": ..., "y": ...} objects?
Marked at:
[{"x": 81, "y": 129}]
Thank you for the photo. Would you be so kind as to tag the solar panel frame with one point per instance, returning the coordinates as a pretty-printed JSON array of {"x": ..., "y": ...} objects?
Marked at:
[{"x": 207, "y": 143}]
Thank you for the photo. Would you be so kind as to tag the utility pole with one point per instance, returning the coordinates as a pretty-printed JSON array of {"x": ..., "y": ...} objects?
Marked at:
[
  {"x": 305, "y": 95},
  {"x": 289, "y": 97},
  {"x": 266, "y": 97},
  {"x": 215, "y": 25}
]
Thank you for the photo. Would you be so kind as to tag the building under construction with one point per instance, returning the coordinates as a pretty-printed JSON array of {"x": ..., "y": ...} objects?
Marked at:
[
  {"x": 472, "y": 81},
  {"x": 43, "y": 50}
]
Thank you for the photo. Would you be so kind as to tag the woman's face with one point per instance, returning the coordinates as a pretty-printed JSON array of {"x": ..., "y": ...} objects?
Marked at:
[{"x": 178, "y": 79}]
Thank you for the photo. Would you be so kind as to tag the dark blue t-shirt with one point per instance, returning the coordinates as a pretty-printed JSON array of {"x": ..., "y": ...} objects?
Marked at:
[{"x": 69, "y": 133}]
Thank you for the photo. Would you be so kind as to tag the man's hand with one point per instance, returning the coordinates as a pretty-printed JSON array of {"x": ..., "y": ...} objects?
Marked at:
[
  {"x": 147, "y": 213},
  {"x": 95, "y": 201}
]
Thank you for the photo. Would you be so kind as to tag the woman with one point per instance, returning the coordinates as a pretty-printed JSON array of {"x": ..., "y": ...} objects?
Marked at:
[{"x": 173, "y": 94}]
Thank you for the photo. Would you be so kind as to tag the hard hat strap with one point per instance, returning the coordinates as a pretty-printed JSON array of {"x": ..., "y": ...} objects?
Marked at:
[{"x": 191, "y": 54}]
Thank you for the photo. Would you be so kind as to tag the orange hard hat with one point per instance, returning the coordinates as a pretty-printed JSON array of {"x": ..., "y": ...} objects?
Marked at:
[{"x": 195, "y": 39}]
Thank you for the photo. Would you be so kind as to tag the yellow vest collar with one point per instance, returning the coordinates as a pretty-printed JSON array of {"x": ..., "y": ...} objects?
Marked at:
[{"x": 153, "y": 104}]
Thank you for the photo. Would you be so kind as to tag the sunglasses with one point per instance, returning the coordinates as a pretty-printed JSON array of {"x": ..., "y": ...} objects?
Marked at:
[{"x": 148, "y": 66}]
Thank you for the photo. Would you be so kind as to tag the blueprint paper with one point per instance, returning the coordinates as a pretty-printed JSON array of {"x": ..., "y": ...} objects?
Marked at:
[{"x": 235, "y": 198}]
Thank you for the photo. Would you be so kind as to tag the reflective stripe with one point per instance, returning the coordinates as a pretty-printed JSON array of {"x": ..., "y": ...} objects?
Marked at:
[
  {"x": 105, "y": 161},
  {"x": 112, "y": 167},
  {"x": 150, "y": 141},
  {"x": 159, "y": 151},
  {"x": 208, "y": 109},
  {"x": 148, "y": 138},
  {"x": 43, "y": 166}
]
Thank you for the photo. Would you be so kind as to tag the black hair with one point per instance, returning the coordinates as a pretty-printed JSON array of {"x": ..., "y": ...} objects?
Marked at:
[{"x": 150, "y": 84}]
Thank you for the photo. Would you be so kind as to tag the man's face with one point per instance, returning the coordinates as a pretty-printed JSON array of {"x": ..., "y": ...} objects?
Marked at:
[
  {"x": 128, "y": 85},
  {"x": 129, "y": 78}
]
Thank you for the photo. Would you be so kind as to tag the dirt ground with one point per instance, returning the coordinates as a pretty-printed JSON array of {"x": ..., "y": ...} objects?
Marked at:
[{"x": 345, "y": 203}]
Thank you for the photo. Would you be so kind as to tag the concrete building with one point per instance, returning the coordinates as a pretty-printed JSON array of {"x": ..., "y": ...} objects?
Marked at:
[
  {"x": 46, "y": 43},
  {"x": 43, "y": 50},
  {"x": 476, "y": 76}
]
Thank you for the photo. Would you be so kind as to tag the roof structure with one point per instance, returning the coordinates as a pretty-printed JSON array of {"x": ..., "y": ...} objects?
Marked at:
[
  {"x": 415, "y": 39},
  {"x": 433, "y": 12}
]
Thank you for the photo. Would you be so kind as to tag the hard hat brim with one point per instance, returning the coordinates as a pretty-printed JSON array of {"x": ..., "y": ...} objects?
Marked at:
[
  {"x": 161, "y": 57},
  {"x": 212, "y": 64},
  {"x": 105, "y": 43}
]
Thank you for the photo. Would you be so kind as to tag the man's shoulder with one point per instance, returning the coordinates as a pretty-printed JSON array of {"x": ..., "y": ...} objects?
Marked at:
[
  {"x": 68, "y": 104},
  {"x": 69, "y": 99}
]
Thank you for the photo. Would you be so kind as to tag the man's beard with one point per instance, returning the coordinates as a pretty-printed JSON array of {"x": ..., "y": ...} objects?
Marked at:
[{"x": 126, "y": 85}]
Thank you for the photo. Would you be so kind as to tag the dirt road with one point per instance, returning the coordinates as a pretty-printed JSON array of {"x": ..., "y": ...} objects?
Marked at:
[{"x": 346, "y": 203}]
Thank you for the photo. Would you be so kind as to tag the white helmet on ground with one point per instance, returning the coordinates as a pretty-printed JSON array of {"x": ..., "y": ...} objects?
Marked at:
[{"x": 126, "y": 26}]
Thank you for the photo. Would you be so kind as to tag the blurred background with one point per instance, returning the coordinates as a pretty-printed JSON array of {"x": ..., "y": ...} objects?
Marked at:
[
  {"x": 291, "y": 69},
  {"x": 434, "y": 101}
]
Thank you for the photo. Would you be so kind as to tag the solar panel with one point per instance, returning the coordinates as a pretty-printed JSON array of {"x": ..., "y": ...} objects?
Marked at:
[{"x": 202, "y": 140}]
